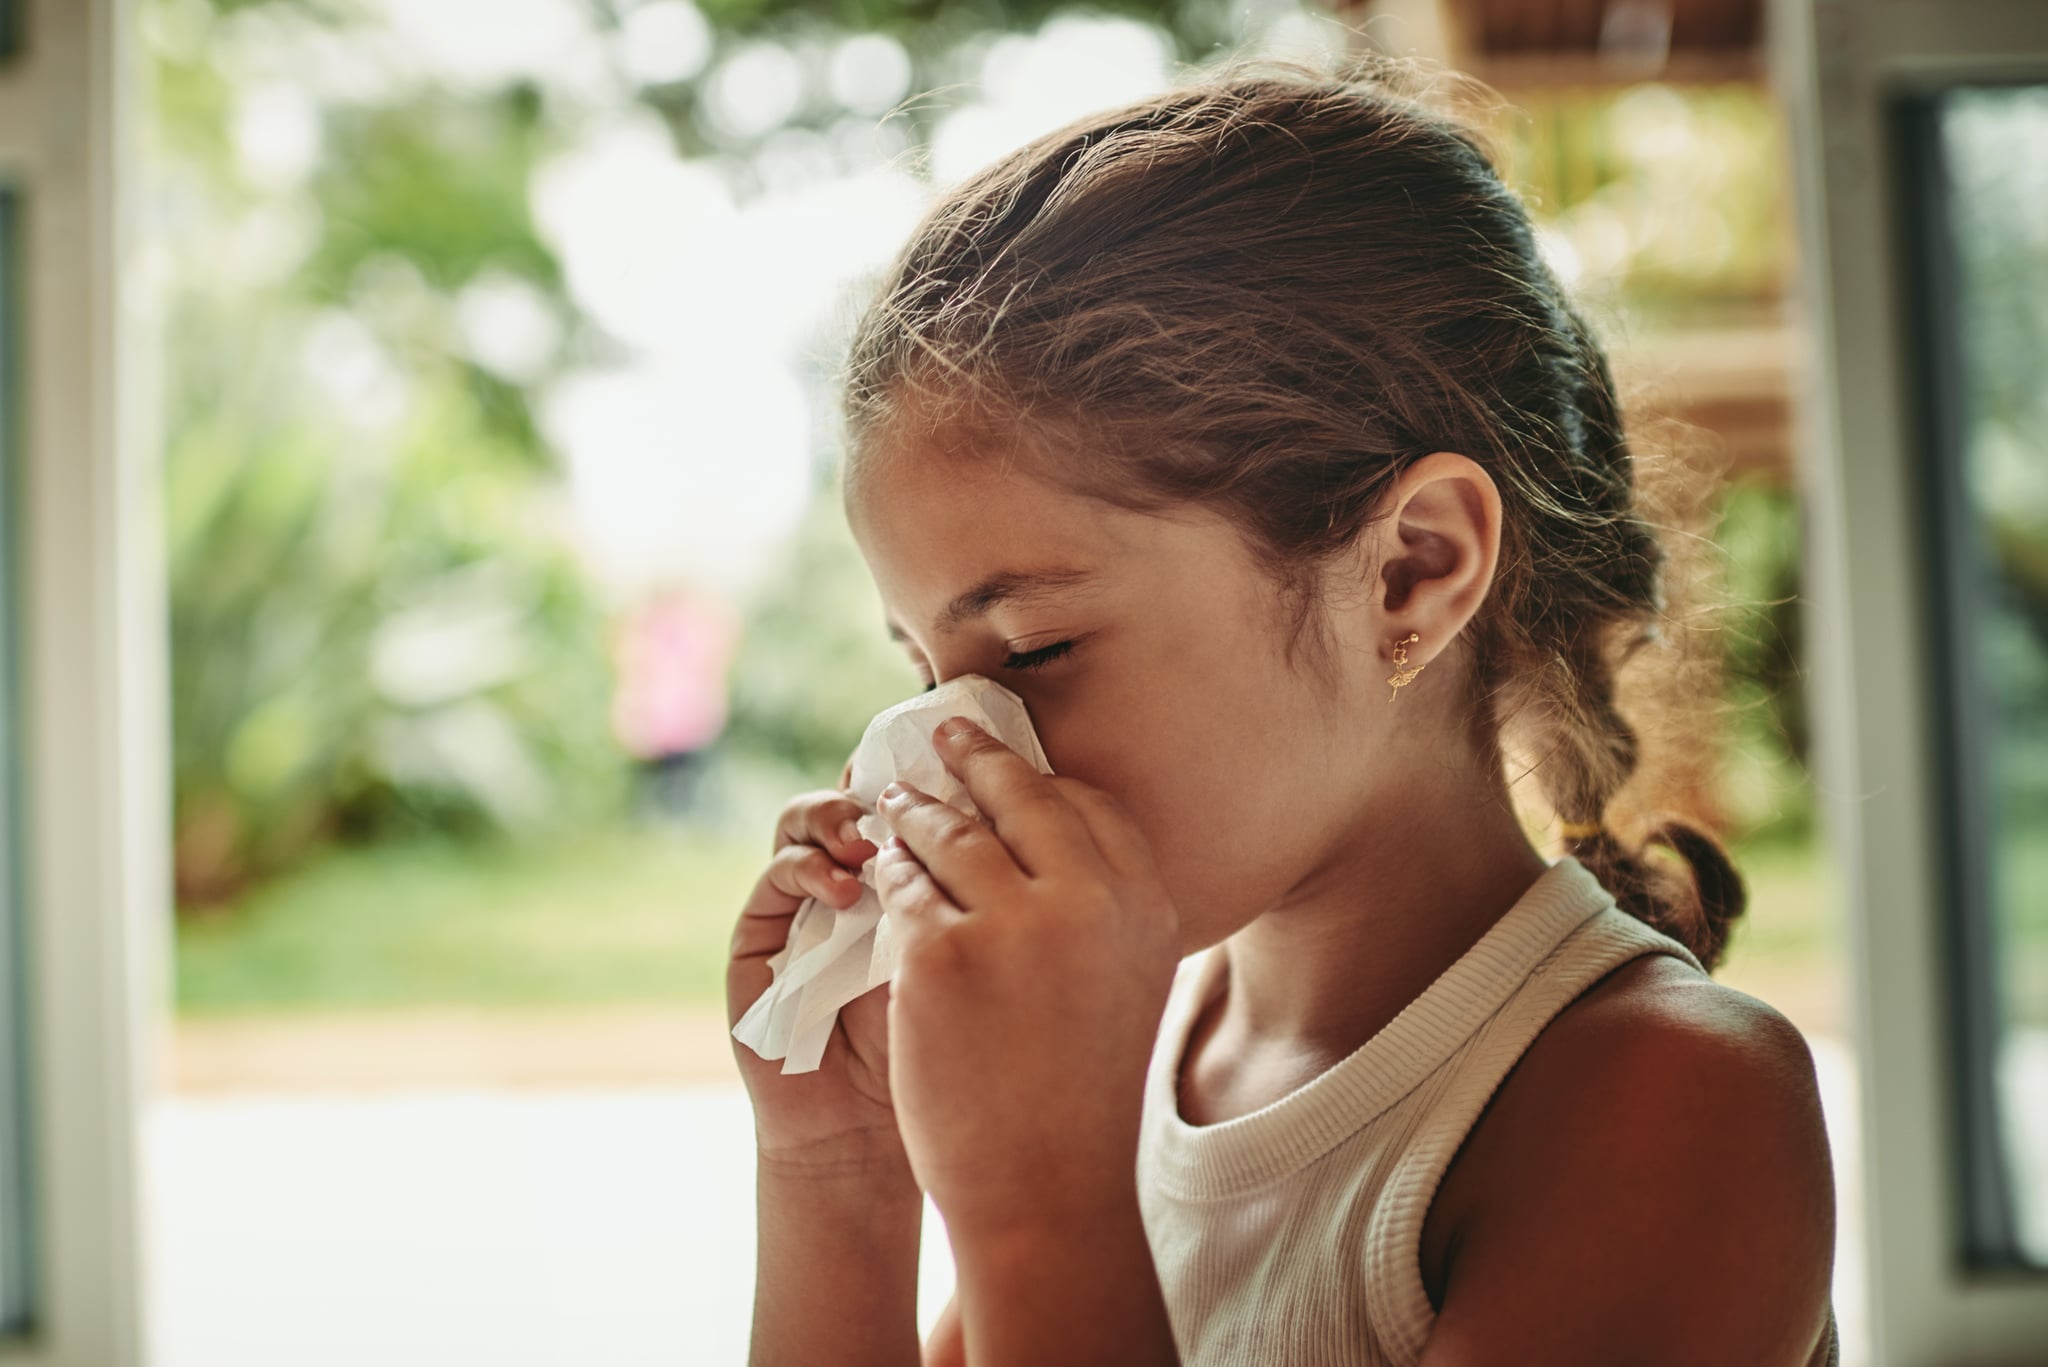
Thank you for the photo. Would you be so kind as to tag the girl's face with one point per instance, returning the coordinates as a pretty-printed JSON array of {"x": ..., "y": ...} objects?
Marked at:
[{"x": 1148, "y": 651}]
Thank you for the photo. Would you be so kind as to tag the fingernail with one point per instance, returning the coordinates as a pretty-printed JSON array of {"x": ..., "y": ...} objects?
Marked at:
[
  {"x": 849, "y": 832},
  {"x": 955, "y": 727},
  {"x": 892, "y": 792},
  {"x": 841, "y": 876}
]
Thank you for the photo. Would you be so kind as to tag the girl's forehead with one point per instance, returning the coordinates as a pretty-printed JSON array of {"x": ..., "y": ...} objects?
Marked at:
[
  {"x": 928, "y": 507},
  {"x": 937, "y": 517},
  {"x": 928, "y": 539},
  {"x": 980, "y": 558}
]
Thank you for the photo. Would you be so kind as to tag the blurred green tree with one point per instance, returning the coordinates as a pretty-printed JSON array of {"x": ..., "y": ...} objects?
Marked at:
[{"x": 364, "y": 647}]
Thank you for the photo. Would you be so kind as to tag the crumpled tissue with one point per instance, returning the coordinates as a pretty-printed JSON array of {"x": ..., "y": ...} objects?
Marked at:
[{"x": 833, "y": 956}]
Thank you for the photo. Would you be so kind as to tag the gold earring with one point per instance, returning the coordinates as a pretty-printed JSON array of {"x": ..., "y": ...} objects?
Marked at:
[{"x": 1403, "y": 671}]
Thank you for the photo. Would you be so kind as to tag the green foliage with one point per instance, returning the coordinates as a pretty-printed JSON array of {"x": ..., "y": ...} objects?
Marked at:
[
  {"x": 438, "y": 182},
  {"x": 1759, "y": 535},
  {"x": 1670, "y": 198},
  {"x": 378, "y": 626},
  {"x": 1198, "y": 26},
  {"x": 363, "y": 640}
]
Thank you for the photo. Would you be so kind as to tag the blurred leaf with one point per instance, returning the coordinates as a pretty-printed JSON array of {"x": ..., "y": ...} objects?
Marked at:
[
  {"x": 440, "y": 182},
  {"x": 298, "y": 547},
  {"x": 1760, "y": 534}
]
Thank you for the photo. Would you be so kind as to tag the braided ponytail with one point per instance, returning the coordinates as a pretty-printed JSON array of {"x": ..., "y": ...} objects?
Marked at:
[
  {"x": 1595, "y": 756},
  {"x": 1594, "y": 751}
]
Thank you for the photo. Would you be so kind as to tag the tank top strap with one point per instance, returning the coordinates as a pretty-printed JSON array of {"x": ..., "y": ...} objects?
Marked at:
[{"x": 1393, "y": 1248}]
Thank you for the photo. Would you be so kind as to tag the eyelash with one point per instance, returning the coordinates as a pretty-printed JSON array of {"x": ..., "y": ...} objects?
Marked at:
[{"x": 1030, "y": 659}]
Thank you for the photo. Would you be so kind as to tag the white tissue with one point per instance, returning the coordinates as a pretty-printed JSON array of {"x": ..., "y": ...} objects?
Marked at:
[{"x": 833, "y": 956}]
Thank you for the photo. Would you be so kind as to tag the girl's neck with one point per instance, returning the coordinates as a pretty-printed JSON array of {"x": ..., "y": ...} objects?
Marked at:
[{"x": 1395, "y": 906}]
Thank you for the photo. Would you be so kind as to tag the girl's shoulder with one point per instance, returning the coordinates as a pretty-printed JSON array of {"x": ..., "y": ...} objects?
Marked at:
[
  {"x": 1656, "y": 1002},
  {"x": 1659, "y": 1111},
  {"x": 1661, "y": 1050}
]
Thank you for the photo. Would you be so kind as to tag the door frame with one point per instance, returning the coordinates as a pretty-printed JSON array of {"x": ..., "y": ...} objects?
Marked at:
[
  {"x": 1875, "y": 624},
  {"x": 90, "y": 699}
]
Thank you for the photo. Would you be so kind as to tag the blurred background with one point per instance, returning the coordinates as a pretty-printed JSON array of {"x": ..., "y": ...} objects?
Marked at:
[{"x": 509, "y": 594}]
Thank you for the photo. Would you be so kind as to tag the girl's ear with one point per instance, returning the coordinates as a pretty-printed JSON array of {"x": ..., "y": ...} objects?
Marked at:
[{"x": 1440, "y": 559}]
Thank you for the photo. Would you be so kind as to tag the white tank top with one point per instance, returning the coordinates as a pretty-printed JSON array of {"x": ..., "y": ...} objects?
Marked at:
[{"x": 1293, "y": 1235}]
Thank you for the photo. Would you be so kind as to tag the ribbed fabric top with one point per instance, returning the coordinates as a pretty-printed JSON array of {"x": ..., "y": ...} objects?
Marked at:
[{"x": 1293, "y": 1234}]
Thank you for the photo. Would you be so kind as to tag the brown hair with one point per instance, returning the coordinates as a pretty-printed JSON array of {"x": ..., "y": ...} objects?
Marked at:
[{"x": 1268, "y": 291}]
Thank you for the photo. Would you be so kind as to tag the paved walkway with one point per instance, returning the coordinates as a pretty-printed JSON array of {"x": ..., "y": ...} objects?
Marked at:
[
  {"x": 599, "y": 1229},
  {"x": 593, "y": 1228}
]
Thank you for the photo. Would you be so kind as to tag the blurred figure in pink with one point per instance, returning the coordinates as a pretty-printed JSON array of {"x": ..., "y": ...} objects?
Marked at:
[{"x": 673, "y": 650}]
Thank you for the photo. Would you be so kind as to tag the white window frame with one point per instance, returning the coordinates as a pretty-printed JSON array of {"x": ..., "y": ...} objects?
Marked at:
[
  {"x": 93, "y": 706},
  {"x": 91, "y": 715},
  {"x": 1839, "y": 64}
]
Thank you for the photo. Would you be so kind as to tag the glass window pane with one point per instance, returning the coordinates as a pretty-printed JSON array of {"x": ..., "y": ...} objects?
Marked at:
[
  {"x": 15, "y": 1214},
  {"x": 1979, "y": 216}
]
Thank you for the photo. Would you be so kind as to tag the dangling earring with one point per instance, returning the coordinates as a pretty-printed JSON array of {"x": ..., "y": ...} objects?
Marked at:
[{"x": 1403, "y": 671}]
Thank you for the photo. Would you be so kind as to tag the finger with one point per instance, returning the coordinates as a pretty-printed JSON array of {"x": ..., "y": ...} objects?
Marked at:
[
  {"x": 807, "y": 871},
  {"x": 1123, "y": 846},
  {"x": 826, "y": 819},
  {"x": 909, "y": 893},
  {"x": 795, "y": 873},
  {"x": 960, "y": 854},
  {"x": 1043, "y": 833}
]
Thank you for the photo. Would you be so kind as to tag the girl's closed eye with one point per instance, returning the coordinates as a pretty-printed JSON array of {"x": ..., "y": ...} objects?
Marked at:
[
  {"x": 1039, "y": 658},
  {"x": 1029, "y": 659}
]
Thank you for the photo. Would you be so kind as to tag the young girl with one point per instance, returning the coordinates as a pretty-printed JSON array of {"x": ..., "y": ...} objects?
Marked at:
[{"x": 1245, "y": 435}]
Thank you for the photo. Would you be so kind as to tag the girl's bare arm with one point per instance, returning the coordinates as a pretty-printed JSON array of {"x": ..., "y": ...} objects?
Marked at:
[
  {"x": 836, "y": 1269},
  {"x": 1077, "y": 1290}
]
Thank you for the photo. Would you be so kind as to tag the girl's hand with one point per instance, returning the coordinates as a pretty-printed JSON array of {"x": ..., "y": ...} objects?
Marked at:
[
  {"x": 838, "y": 1119},
  {"x": 1035, "y": 968}
]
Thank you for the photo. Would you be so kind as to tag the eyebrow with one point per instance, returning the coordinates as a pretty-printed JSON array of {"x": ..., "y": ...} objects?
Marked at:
[{"x": 1004, "y": 586}]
